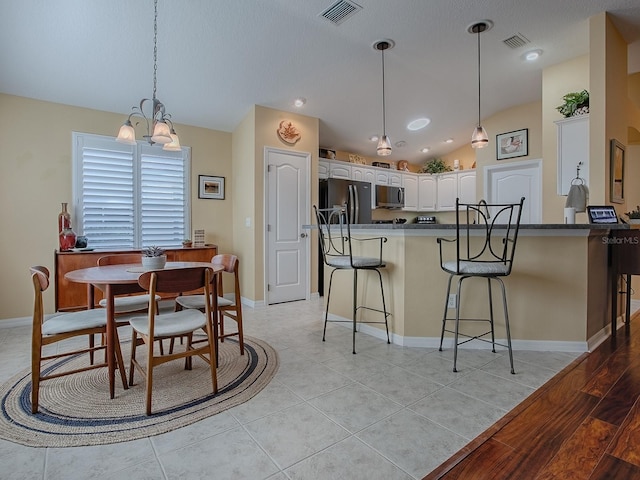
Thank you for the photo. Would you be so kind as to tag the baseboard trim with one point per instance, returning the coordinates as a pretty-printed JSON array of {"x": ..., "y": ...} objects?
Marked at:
[{"x": 434, "y": 342}]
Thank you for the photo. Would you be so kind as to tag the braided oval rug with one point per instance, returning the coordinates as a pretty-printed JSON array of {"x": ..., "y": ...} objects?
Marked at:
[{"x": 76, "y": 410}]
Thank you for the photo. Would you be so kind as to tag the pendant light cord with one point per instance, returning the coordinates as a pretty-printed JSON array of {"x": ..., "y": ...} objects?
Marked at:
[
  {"x": 384, "y": 123},
  {"x": 155, "y": 46},
  {"x": 479, "y": 30}
]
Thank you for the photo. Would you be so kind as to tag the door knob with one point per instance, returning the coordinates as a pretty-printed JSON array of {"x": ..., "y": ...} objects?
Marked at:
[{"x": 303, "y": 235}]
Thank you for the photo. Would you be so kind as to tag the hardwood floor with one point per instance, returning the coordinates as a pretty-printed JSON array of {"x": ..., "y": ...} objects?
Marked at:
[{"x": 584, "y": 424}]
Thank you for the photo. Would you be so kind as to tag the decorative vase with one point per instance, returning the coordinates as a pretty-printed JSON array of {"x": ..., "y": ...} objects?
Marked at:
[
  {"x": 67, "y": 239},
  {"x": 154, "y": 263},
  {"x": 64, "y": 219}
]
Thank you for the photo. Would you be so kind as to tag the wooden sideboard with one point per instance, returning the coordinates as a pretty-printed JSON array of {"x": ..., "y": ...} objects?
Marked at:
[{"x": 73, "y": 296}]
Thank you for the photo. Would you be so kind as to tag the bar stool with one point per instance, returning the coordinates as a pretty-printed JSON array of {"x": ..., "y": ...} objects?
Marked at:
[
  {"x": 485, "y": 245},
  {"x": 334, "y": 233}
]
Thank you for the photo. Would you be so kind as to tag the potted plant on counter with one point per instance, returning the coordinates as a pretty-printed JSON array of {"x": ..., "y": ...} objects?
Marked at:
[
  {"x": 187, "y": 243},
  {"x": 634, "y": 215},
  {"x": 154, "y": 258}
]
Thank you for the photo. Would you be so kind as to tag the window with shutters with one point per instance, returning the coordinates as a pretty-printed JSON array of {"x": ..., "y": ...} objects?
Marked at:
[{"x": 129, "y": 196}]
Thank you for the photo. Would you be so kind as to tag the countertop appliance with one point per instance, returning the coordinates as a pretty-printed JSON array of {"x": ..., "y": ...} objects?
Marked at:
[
  {"x": 389, "y": 197},
  {"x": 355, "y": 195},
  {"x": 425, "y": 219}
]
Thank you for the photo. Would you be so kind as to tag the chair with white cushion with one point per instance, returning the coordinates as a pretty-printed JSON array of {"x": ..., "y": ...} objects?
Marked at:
[
  {"x": 484, "y": 247},
  {"x": 226, "y": 306},
  {"x": 336, "y": 246},
  {"x": 61, "y": 327},
  {"x": 146, "y": 330}
]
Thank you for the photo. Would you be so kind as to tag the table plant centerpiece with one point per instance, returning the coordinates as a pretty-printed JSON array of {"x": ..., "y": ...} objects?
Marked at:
[{"x": 154, "y": 258}]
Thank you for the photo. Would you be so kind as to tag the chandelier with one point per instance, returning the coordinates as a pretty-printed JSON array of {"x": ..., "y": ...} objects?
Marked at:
[{"x": 156, "y": 119}]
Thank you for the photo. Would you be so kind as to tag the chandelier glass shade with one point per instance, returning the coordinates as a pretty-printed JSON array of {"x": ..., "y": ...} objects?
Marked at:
[{"x": 151, "y": 111}]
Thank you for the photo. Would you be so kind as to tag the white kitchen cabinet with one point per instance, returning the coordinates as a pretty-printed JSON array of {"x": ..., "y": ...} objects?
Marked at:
[
  {"x": 363, "y": 174},
  {"x": 447, "y": 191},
  {"x": 340, "y": 170},
  {"x": 573, "y": 148},
  {"x": 323, "y": 169},
  {"x": 410, "y": 184},
  {"x": 467, "y": 186},
  {"x": 427, "y": 193},
  {"x": 393, "y": 178}
]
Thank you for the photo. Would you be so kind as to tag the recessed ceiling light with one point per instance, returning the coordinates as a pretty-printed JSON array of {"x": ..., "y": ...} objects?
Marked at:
[
  {"x": 300, "y": 101},
  {"x": 401, "y": 144},
  {"x": 532, "y": 55},
  {"x": 449, "y": 140},
  {"x": 374, "y": 138},
  {"x": 418, "y": 123},
  {"x": 424, "y": 149}
]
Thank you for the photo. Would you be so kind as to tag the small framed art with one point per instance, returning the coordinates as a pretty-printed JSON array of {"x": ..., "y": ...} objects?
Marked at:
[
  {"x": 210, "y": 187},
  {"x": 617, "y": 172},
  {"x": 512, "y": 144}
]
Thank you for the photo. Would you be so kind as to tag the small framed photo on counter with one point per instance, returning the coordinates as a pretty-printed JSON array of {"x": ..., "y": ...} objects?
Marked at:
[
  {"x": 512, "y": 144},
  {"x": 210, "y": 187}
]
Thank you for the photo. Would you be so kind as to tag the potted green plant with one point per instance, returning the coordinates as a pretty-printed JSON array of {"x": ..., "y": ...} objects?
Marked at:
[
  {"x": 154, "y": 258},
  {"x": 187, "y": 243},
  {"x": 575, "y": 103},
  {"x": 634, "y": 215},
  {"x": 436, "y": 165}
]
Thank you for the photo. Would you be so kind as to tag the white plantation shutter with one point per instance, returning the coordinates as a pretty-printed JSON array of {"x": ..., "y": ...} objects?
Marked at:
[{"x": 129, "y": 196}]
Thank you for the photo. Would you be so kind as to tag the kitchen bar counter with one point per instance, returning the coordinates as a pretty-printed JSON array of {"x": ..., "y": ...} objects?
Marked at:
[{"x": 558, "y": 292}]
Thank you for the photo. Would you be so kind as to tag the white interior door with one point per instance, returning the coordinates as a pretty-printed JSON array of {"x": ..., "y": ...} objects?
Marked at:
[
  {"x": 507, "y": 183},
  {"x": 287, "y": 244}
]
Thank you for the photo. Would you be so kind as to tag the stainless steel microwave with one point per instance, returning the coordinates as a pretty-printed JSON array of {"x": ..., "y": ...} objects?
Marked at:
[{"x": 389, "y": 197}]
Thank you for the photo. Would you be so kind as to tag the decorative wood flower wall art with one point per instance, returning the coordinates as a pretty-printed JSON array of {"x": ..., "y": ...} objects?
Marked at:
[{"x": 288, "y": 133}]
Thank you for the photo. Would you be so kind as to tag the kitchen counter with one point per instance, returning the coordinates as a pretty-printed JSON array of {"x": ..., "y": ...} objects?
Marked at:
[{"x": 558, "y": 292}]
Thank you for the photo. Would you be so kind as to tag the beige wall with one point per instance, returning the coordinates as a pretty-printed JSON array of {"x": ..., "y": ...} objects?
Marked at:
[
  {"x": 35, "y": 159},
  {"x": 257, "y": 131},
  {"x": 557, "y": 81},
  {"x": 527, "y": 116}
]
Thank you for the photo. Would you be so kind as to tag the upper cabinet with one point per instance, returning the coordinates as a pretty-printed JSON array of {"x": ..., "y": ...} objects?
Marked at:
[
  {"x": 427, "y": 193},
  {"x": 467, "y": 186},
  {"x": 410, "y": 184},
  {"x": 363, "y": 174},
  {"x": 447, "y": 191},
  {"x": 573, "y": 148}
]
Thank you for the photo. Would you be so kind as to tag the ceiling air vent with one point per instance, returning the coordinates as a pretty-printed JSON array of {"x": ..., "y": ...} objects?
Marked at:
[
  {"x": 516, "y": 41},
  {"x": 340, "y": 11}
]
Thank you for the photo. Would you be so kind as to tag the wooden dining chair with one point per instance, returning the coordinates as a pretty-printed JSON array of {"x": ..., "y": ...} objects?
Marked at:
[
  {"x": 126, "y": 305},
  {"x": 61, "y": 327},
  {"x": 146, "y": 330},
  {"x": 226, "y": 307}
]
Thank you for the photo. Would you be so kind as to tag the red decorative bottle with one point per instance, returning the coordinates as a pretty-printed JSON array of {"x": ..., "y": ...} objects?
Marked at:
[
  {"x": 64, "y": 219},
  {"x": 67, "y": 239},
  {"x": 66, "y": 235}
]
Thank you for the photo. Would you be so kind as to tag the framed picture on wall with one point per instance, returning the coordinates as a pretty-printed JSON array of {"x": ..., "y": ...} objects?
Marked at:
[
  {"x": 616, "y": 189},
  {"x": 210, "y": 187},
  {"x": 512, "y": 144}
]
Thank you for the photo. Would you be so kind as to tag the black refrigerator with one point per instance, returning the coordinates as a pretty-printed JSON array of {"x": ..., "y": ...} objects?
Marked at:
[{"x": 336, "y": 192}]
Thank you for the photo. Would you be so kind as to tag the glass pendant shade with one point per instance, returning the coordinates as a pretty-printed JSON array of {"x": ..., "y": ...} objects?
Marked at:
[
  {"x": 479, "y": 139},
  {"x": 174, "y": 144},
  {"x": 161, "y": 133},
  {"x": 384, "y": 146},
  {"x": 127, "y": 134}
]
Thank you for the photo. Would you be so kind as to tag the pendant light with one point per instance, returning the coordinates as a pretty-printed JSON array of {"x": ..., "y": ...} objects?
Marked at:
[
  {"x": 479, "y": 139},
  {"x": 384, "y": 143},
  {"x": 163, "y": 131}
]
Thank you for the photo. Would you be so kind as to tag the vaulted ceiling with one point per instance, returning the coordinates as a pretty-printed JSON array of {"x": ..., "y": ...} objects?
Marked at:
[{"x": 216, "y": 59}]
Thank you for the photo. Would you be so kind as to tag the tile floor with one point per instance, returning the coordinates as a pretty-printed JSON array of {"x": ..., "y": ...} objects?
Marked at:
[{"x": 386, "y": 413}]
